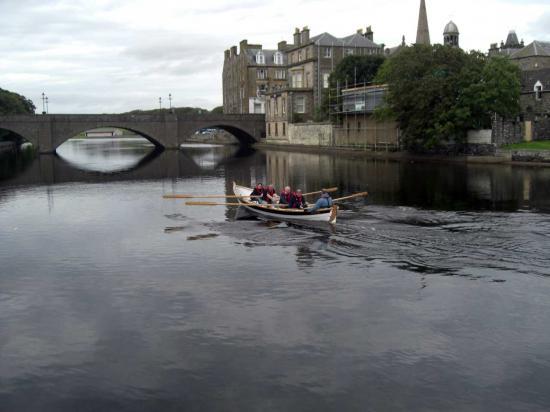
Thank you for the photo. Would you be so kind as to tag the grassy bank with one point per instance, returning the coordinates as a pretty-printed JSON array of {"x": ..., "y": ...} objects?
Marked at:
[{"x": 538, "y": 145}]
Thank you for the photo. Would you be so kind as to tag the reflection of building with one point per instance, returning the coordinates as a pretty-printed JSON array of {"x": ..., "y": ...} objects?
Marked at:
[{"x": 248, "y": 75}]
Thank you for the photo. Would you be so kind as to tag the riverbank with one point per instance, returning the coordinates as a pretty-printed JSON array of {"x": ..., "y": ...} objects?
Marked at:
[{"x": 539, "y": 158}]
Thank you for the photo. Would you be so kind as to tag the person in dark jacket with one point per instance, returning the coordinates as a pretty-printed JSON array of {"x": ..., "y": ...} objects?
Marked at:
[
  {"x": 297, "y": 200},
  {"x": 257, "y": 193},
  {"x": 324, "y": 202},
  {"x": 285, "y": 197}
]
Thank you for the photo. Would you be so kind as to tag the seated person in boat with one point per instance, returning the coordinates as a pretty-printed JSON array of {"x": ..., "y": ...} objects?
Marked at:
[
  {"x": 257, "y": 194},
  {"x": 324, "y": 202},
  {"x": 286, "y": 196},
  {"x": 297, "y": 200},
  {"x": 270, "y": 195}
]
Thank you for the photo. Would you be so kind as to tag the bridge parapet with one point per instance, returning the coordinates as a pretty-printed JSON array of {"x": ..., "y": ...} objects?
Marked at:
[{"x": 169, "y": 130}]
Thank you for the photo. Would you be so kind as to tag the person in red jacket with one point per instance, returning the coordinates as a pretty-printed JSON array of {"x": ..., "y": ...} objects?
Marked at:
[
  {"x": 270, "y": 195},
  {"x": 297, "y": 200},
  {"x": 257, "y": 193},
  {"x": 285, "y": 197}
]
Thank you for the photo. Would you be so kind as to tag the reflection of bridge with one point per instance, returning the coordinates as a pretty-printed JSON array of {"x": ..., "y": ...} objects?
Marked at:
[{"x": 47, "y": 132}]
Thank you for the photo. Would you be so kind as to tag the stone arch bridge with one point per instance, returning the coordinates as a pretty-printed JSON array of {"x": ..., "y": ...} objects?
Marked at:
[{"x": 48, "y": 132}]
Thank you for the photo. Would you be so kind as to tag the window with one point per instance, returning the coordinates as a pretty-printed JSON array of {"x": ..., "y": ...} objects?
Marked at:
[
  {"x": 300, "y": 57},
  {"x": 276, "y": 129},
  {"x": 327, "y": 52},
  {"x": 284, "y": 105},
  {"x": 261, "y": 89},
  {"x": 269, "y": 129},
  {"x": 262, "y": 74},
  {"x": 273, "y": 107},
  {"x": 280, "y": 74},
  {"x": 284, "y": 129},
  {"x": 348, "y": 52},
  {"x": 297, "y": 80},
  {"x": 326, "y": 77},
  {"x": 278, "y": 58},
  {"x": 538, "y": 90},
  {"x": 258, "y": 108},
  {"x": 300, "y": 104},
  {"x": 358, "y": 126},
  {"x": 260, "y": 57},
  {"x": 308, "y": 76}
]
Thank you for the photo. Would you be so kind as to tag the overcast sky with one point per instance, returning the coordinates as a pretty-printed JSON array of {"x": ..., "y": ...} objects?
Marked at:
[{"x": 106, "y": 56}]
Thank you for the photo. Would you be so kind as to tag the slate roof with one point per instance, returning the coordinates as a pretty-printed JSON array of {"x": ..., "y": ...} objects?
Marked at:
[
  {"x": 355, "y": 40},
  {"x": 269, "y": 55},
  {"x": 537, "y": 48}
]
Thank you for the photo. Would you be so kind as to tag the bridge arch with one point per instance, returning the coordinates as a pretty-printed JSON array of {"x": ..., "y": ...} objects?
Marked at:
[
  {"x": 243, "y": 136},
  {"x": 17, "y": 136}
]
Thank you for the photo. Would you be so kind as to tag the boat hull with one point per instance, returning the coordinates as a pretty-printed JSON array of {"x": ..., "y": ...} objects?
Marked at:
[{"x": 273, "y": 213}]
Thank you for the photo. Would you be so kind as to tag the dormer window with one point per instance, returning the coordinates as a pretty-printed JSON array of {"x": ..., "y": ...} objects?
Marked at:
[
  {"x": 278, "y": 58},
  {"x": 538, "y": 90},
  {"x": 260, "y": 58}
]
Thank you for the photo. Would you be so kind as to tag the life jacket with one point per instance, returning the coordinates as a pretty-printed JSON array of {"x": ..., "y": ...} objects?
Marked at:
[
  {"x": 270, "y": 192},
  {"x": 285, "y": 198}
]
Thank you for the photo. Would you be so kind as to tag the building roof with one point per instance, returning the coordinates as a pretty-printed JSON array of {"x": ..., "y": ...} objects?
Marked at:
[
  {"x": 355, "y": 40},
  {"x": 451, "y": 28},
  {"x": 512, "y": 39},
  {"x": 537, "y": 48},
  {"x": 269, "y": 56},
  {"x": 423, "y": 30}
]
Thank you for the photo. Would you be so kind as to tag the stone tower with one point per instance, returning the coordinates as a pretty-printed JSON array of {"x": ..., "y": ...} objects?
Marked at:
[
  {"x": 423, "y": 33},
  {"x": 451, "y": 35}
]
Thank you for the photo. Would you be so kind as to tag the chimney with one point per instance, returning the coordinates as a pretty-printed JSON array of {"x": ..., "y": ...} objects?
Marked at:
[
  {"x": 243, "y": 45},
  {"x": 227, "y": 54},
  {"x": 234, "y": 51},
  {"x": 297, "y": 37},
  {"x": 305, "y": 35},
  {"x": 281, "y": 46},
  {"x": 360, "y": 31},
  {"x": 370, "y": 34}
]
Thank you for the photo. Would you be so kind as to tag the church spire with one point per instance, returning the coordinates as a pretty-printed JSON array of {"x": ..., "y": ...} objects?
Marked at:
[{"x": 423, "y": 33}]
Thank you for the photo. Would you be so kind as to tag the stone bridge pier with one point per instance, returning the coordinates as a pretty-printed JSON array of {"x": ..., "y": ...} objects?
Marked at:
[{"x": 48, "y": 132}]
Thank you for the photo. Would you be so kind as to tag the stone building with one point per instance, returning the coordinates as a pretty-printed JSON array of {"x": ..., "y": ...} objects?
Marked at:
[
  {"x": 534, "y": 62},
  {"x": 310, "y": 60},
  {"x": 248, "y": 74},
  {"x": 451, "y": 35}
]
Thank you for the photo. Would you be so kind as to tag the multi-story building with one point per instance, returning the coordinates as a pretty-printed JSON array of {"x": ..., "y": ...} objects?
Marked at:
[
  {"x": 310, "y": 60},
  {"x": 248, "y": 74},
  {"x": 534, "y": 62}
]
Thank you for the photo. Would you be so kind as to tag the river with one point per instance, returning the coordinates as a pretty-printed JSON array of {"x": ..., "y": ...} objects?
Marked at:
[{"x": 430, "y": 295}]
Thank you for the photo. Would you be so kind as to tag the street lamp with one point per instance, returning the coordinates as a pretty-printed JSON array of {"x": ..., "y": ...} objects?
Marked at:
[
  {"x": 170, "y": 100},
  {"x": 160, "y": 103},
  {"x": 47, "y": 106},
  {"x": 43, "y": 103}
]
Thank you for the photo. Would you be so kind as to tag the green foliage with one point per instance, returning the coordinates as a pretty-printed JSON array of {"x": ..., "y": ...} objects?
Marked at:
[
  {"x": 217, "y": 110},
  {"x": 177, "y": 110},
  {"x": 13, "y": 103},
  {"x": 438, "y": 93}
]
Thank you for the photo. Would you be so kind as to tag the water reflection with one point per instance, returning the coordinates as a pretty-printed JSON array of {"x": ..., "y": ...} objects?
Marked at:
[{"x": 106, "y": 155}]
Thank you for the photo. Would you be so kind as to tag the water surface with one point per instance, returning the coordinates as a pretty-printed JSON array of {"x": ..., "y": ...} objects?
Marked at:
[{"x": 430, "y": 295}]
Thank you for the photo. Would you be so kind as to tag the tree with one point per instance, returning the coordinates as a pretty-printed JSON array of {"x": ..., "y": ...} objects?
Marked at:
[
  {"x": 13, "y": 103},
  {"x": 217, "y": 110},
  {"x": 438, "y": 93}
]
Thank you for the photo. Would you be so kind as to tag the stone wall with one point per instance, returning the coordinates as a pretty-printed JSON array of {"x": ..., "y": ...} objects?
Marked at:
[
  {"x": 506, "y": 131},
  {"x": 480, "y": 137},
  {"x": 542, "y": 156},
  {"x": 310, "y": 134}
]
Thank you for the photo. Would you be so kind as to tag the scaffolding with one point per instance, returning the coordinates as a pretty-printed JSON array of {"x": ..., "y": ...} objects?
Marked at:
[{"x": 351, "y": 109}]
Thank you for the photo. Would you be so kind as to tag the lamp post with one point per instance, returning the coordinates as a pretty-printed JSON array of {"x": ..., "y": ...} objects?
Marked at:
[
  {"x": 160, "y": 104},
  {"x": 47, "y": 106},
  {"x": 43, "y": 103},
  {"x": 170, "y": 100}
]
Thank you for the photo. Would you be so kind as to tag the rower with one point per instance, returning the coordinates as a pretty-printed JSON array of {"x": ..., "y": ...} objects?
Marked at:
[
  {"x": 270, "y": 195},
  {"x": 257, "y": 193},
  {"x": 297, "y": 200},
  {"x": 285, "y": 197},
  {"x": 324, "y": 202}
]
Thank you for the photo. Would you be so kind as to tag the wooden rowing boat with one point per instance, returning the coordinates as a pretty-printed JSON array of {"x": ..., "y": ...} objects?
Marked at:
[{"x": 273, "y": 212}]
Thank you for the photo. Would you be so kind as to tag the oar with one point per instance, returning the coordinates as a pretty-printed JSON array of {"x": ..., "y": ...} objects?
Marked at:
[
  {"x": 329, "y": 190},
  {"x": 205, "y": 197},
  {"x": 233, "y": 204},
  {"x": 362, "y": 194}
]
